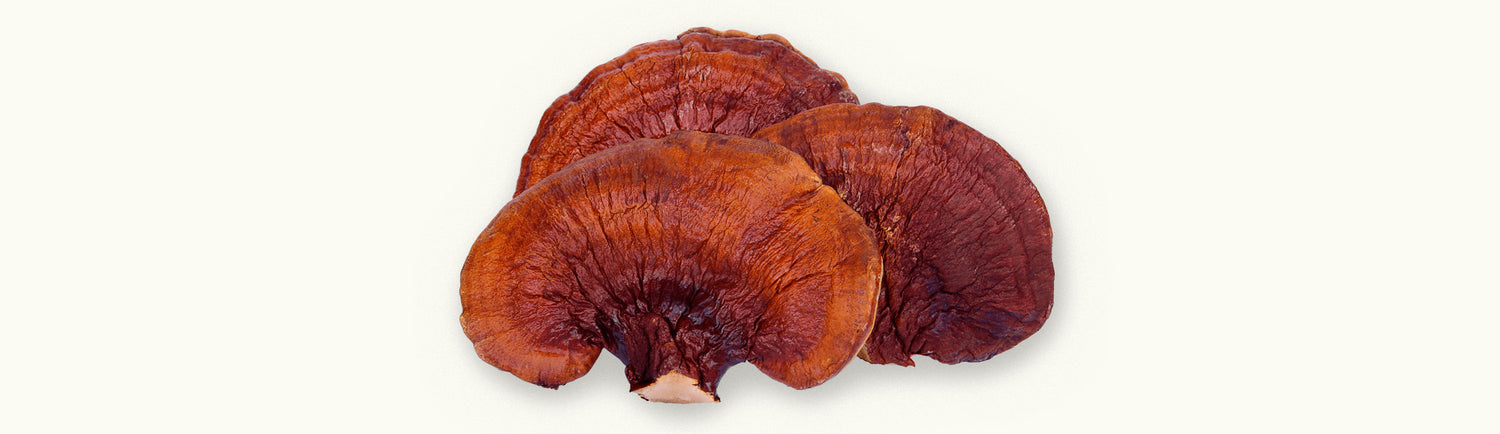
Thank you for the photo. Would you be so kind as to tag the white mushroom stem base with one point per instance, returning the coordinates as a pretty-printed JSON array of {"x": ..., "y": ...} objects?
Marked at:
[{"x": 675, "y": 388}]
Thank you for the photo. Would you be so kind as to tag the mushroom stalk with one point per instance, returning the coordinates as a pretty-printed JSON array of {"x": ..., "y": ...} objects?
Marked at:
[
  {"x": 680, "y": 336},
  {"x": 675, "y": 388}
]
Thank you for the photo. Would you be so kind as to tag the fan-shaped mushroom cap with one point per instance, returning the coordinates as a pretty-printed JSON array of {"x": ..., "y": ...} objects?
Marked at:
[
  {"x": 682, "y": 256},
  {"x": 705, "y": 80},
  {"x": 965, "y": 236}
]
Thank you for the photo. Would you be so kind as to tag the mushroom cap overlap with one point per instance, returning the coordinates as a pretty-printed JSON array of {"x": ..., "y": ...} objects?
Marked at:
[{"x": 966, "y": 238}]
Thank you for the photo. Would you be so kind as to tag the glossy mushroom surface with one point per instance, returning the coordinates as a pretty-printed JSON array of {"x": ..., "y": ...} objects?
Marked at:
[
  {"x": 706, "y": 80},
  {"x": 965, "y": 237},
  {"x": 682, "y": 256}
]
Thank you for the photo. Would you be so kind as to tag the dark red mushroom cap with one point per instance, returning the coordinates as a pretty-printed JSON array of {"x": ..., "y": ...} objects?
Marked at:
[
  {"x": 682, "y": 256},
  {"x": 964, "y": 234},
  {"x": 705, "y": 80}
]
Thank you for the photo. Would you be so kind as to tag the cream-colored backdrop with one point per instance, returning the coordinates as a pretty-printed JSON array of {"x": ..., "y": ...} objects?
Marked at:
[{"x": 1270, "y": 216}]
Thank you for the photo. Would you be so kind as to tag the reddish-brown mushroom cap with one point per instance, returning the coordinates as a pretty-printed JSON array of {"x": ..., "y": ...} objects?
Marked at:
[
  {"x": 682, "y": 256},
  {"x": 705, "y": 80},
  {"x": 965, "y": 236}
]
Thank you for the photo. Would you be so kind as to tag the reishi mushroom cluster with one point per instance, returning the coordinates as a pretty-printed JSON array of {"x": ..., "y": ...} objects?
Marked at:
[{"x": 718, "y": 198}]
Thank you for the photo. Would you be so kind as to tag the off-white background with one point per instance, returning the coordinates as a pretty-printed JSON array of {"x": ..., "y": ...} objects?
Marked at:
[{"x": 251, "y": 216}]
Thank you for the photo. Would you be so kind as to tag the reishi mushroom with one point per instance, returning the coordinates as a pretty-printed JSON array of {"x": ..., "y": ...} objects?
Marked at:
[
  {"x": 681, "y": 256},
  {"x": 728, "y": 82},
  {"x": 966, "y": 239}
]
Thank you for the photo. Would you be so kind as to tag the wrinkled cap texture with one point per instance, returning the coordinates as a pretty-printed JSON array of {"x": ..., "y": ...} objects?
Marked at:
[
  {"x": 964, "y": 234},
  {"x": 705, "y": 80},
  {"x": 686, "y": 254}
]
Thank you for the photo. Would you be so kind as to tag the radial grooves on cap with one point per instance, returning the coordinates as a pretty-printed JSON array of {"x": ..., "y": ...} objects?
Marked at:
[
  {"x": 726, "y": 82},
  {"x": 685, "y": 254},
  {"x": 964, "y": 234}
]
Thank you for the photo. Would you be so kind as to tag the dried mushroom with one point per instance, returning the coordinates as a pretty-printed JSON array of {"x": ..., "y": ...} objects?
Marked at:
[
  {"x": 682, "y": 256},
  {"x": 966, "y": 240},
  {"x": 705, "y": 80}
]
